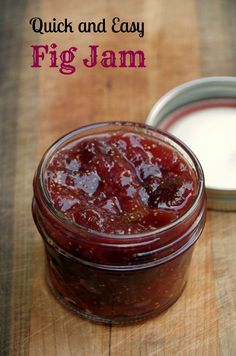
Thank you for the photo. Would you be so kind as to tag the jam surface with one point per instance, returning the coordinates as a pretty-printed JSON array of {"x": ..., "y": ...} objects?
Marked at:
[{"x": 120, "y": 183}]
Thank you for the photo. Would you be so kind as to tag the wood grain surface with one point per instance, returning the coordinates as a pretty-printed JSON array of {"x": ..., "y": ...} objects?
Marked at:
[{"x": 183, "y": 40}]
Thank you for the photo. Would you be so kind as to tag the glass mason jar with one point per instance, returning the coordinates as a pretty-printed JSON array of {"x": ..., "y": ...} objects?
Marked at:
[{"x": 115, "y": 278}]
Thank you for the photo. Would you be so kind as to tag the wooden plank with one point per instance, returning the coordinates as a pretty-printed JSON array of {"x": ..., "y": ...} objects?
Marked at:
[
  {"x": 23, "y": 230},
  {"x": 223, "y": 232},
  {"x": 11, "y": 24},
  {"x": 175, "y": 44},
  {"x": 216, "y": 37}
]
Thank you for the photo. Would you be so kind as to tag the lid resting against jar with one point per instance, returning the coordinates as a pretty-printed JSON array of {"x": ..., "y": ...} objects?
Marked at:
[{"x": 202, "y": 113}]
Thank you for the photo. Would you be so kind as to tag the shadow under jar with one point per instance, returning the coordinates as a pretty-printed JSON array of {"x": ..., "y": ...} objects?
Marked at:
[{"x": 129, "y": 275}]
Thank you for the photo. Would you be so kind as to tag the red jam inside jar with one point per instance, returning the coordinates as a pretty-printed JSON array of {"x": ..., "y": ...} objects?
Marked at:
[{"x": 119, "y": 206}]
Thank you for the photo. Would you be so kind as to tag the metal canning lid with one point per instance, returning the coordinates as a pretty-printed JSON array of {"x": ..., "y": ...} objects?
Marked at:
[{"x": 202, "y": 113}]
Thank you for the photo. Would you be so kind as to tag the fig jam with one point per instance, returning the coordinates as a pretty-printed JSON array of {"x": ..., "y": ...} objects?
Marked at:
[{"x": 119, "y": 206}]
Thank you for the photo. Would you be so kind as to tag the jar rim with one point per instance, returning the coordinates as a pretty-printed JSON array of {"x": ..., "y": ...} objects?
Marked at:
[{"x": 74, "y": 225}]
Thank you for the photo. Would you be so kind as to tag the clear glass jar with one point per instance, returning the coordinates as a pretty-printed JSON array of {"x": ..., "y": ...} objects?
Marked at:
[{"x": 115, "y": 278}]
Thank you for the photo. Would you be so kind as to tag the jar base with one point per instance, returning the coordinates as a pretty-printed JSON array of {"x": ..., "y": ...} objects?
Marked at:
[{"x": 103, "y": 320}]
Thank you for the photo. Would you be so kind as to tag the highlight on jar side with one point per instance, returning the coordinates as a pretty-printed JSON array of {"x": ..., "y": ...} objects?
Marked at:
[{"x": 119, "y": 206}]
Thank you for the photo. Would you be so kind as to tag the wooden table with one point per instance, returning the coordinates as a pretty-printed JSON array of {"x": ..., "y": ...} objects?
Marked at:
[{"x": 183, "y": 40}]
